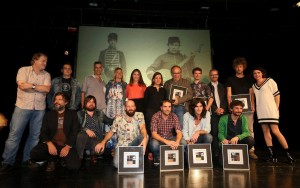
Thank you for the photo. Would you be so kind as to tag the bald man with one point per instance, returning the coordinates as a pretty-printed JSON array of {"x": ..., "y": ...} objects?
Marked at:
[{"x": 130, "y": 129}]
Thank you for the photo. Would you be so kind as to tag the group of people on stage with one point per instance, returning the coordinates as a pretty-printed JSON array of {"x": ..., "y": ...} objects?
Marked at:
[{"x": 98, "y": 115}]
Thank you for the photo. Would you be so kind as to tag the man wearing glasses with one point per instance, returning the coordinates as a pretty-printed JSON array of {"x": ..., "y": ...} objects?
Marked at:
[
  {"x": 179, "y": 103},
  {"x": 219, "y": 107}
]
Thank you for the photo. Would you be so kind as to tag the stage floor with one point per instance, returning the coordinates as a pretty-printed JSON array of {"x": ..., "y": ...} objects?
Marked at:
[{"x": 103, "y": 174}]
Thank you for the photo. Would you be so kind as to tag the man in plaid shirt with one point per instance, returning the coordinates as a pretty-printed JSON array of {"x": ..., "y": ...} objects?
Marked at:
[{"x": 164, "y": 124}]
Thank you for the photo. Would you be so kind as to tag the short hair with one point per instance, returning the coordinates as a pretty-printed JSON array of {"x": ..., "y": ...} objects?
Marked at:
[
  {"x": 164, "y": 101},
  {"x": 262, "y": 70},
  {"x": 154, "y": 75},
  {"x": 236, "y": 103},
  {"x": 66, "y": 63},
  {"x": 239, "y": 61},
  {"x": 64, "y": 95},
  {"x": 197, "y": 69},
  {"x": 97, "y": 62},
  {"x": 175, "y": 66},
  {"x": 37, "y": 56},
  {"x": 87, "y": 99}
]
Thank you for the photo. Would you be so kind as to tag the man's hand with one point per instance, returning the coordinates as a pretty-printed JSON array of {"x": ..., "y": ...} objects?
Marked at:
[
  {"x": 90, "y": 133},
  {"x": 225, "y": 141},
  {"x": 144, "y": 144},
  {"x": 99, "y": 148},
  {"x": 64, "y": 151},
  {"x": 234, "y": 140},
  {"x": 172, "y": 144},
  {"x": 51, "y": 148}
]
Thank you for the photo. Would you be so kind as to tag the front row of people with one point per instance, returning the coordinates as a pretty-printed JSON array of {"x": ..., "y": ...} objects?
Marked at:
[{"x": 62, "y": 140}]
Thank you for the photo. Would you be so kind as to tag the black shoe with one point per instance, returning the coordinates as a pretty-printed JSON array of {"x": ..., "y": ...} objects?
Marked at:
[
  {"x": 63, "y": 163},
  {"x": 51, "y": 166},
  {"x": 5, "y": 169},
  {"x": 290, "y": 160},
  {"x": 30, "y": 164},
  {"x": 156, "y": 162}
]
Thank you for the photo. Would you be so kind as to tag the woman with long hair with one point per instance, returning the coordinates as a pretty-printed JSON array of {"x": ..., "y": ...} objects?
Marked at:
[{"x": 135, "y": 89}]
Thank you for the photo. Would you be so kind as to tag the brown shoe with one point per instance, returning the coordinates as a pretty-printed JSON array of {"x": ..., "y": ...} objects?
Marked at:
[
  {"x": 252, "y": 155},
  {"x": 51, "y": 166}
]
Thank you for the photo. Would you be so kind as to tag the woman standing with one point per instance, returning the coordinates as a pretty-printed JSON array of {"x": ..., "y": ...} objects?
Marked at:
[
  {"x": 135, "y": 89},
  {"x": 154, "y": 95},
  {"x": 115, "y": 94},
  {"x": 267, "y": 98},
  {"x": 115, "y": 102}
]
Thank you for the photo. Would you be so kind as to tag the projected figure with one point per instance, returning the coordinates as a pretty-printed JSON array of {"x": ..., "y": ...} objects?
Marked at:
[
  {"x": 112, "y": 58},
  {"x": 173, "y": 56}
]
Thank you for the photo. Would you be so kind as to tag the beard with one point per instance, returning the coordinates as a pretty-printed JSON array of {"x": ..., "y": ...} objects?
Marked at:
[
  {"x": 90, "y": 108},
  {"x": 59, "y": 107},
  {"x": 130, "y": 113}
]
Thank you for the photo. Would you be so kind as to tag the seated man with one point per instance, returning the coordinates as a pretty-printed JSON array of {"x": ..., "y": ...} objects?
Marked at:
[
  {"x": 92, "y": 127},
  {"x": 130, "y": 129},
  {"x": 163, "y": 124},
  {"x": 58, "y": 136},
  {"x": 233, "y": 128}
]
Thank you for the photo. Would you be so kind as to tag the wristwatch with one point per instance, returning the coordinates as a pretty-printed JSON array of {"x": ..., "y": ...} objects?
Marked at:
[{"x": 33, "y": 86}]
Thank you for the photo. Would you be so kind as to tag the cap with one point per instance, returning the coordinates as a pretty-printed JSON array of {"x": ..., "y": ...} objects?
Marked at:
[
  {"x": 173, "y": 39},
  {"x": 112, "y": 36}
]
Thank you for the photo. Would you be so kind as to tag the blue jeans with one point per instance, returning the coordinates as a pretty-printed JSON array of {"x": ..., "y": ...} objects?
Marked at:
[
  {"x": 155, "y": 146},
  {"x": 19, "y": 121},
  {"x": 179, "y": 111},
  {"x": 135, "y": 142}
]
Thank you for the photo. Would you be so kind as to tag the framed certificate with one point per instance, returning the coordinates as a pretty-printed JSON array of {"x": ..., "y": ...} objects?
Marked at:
[
  {"x": 177, "y": 91},
  {"x": 131, "y": 159},
  {"x": 235, "y": 157},
  {"x": 171, "y": 160},
  {"x": 246, "y": 99},
  {"x": 199, "y": 156}
]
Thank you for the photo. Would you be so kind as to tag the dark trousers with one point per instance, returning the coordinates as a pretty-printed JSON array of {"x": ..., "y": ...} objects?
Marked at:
[
  {"x": 85, "y": 142},
  {"x": 41, "y": 153},
  {"x": 214, "y": 132}
]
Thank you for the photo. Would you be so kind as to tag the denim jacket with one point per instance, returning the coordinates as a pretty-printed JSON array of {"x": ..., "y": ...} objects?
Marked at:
[{"x": 56, "y": 85}]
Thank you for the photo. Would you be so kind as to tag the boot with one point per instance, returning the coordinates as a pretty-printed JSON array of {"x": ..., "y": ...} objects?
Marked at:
[
  {"x": 290, "y": 160},
  {"x": 272, "y": 155}
]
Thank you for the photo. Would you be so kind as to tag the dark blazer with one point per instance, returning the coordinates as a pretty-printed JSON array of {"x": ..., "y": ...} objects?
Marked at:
[
  {"x": 70, "y": 126},
  {"x": 223, "y": 97}
]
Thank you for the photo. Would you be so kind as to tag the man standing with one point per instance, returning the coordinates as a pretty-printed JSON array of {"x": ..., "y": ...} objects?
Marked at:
[
  {"x": 33, "y": 85},
  {"x": 201, "y": 89},
  {"x": 218, "y": 108},
  {"x": 130, "y": 129},
  {"x": 58, "y": 136},
  {"x": 65, "y": 83},
  {"x": 112, "y": 58},
  {"x": 94, "y": 85},
  {"x": 240, "y": 84},
  {"x": 180, "y": 103},
  {"x": 163, "y": 124}
]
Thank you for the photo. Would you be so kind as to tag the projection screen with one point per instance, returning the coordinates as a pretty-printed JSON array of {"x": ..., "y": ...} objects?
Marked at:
[{"x": 148, "y": 50}]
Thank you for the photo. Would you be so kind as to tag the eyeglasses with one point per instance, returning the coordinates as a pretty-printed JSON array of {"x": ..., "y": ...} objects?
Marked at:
[
  {"x": 214, "y": 75},
  {"x": 176, "y": 72}
]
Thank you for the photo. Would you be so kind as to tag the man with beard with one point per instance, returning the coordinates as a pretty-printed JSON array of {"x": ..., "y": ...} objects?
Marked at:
[
  {"x": 58, "y": 136},
  {"x": 233, "y": 128},
  {"x": 91, "y": 121},
  {"x": 163, "y": 124},
  {"x": 130, "y": 129}
]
